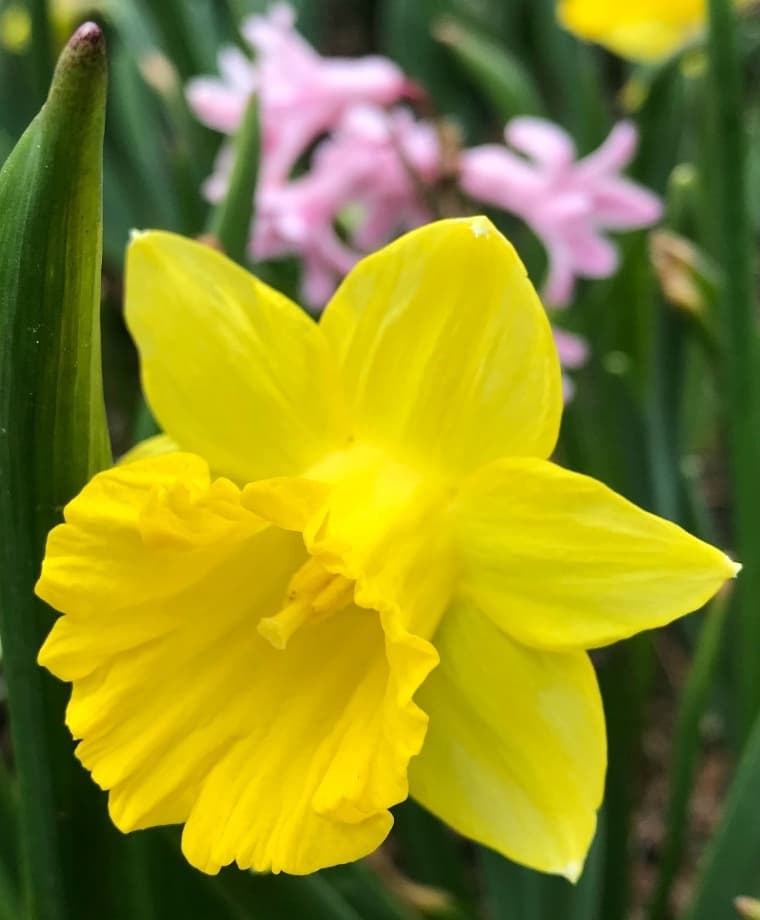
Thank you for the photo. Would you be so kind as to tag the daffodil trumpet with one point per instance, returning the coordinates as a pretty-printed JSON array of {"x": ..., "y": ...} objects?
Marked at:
[{"x": 348, "y": 571}]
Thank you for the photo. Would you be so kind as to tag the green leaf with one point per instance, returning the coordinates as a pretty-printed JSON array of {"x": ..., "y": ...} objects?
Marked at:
[
  {"x": 499, "y": 75},
  {"x": 513, "y": 892},
  {"x": 738, "y": 312},
  {"x": 405, "y": 35},
  {"x": 53, "y": 432},
  {"x": 626, "y": 683},
  {"x": 231, "y": 220},
  {"x": 429, "y": 852},
  {"x": 731, "y": 865},
  {"x": 687, "y": 744},
  {"x": 364, "y": 889}
]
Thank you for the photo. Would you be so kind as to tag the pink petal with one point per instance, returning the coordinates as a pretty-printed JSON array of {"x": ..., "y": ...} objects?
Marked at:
[
  {"x": 215, "y": 104},
  {"x": 370, "y": 79},
  {"x": 237, "y": 70},
  {"x": 621, "y": 204},
  {"x": 616, "y": 152},
  {"x": 560, "y": 282},
  {"x": 593, "y": 256},
  {"x": 547, "y": 143},
  {"x": 493, "y": 175},
  {"x": 559, "y": 207},
  {"x": 573, "y": 350}
]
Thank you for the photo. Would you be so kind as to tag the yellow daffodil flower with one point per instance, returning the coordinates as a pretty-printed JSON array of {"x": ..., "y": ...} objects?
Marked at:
[
  {"x": 348, "y": 571},
  {"x": 643, "y": 30}
]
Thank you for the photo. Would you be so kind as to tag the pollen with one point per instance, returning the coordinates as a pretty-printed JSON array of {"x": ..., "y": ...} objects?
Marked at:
[{"x": 313, "y": 594}]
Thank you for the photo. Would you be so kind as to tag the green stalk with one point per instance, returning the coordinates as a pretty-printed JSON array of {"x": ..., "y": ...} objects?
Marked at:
[
  {"x": 497, "y": 74},
  {"x": 686, "y": 752},
  {"x": 174, "y": 25},
  {"x": 626, "y": 683},
  {"x": 53, "y": 434},
  {"x": 740, "y": 345},
  {"x": 730, "y": 865},
  {"x": 231, "y": 220}
]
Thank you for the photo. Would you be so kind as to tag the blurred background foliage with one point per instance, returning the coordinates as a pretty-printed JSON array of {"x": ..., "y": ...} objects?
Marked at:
[{"x": 663, "y": 412}]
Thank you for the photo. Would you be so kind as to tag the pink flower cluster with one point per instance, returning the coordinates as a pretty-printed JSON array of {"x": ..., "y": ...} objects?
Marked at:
[
  {"x": 374, "y": 166},
  {"x": 568, "y": 203}
]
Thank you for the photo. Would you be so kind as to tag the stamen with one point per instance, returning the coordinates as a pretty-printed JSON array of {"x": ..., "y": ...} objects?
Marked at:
[
  {"x": 338, "y": 594},
  {"x": 313, "y": 594},
  {"x": 278, "y": 629}
]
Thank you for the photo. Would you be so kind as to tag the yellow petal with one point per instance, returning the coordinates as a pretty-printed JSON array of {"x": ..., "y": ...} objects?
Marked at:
[
  {"x": 515, "y": 752},
  {"x": 232, "y": 369},
  {"x": 560, "y": 561},
  {"x": 445, "y": 350},
  {"x": 277, "y": 759},
  {"x": 639, "y": 29},
  {"x": 150, "y": 447}
]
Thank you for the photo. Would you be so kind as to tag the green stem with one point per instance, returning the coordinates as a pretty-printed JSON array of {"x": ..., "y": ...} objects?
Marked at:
[
  {"x": 175, "y": 28},
  {"x": 740, "y": 345},
  {"x": 231, "y": 220},
  {"x": 663, "y": 410},
  {"x": 626, "y": 683},
  {"x": 40, "y": 856},
  {"x": 686, "y": 752}
]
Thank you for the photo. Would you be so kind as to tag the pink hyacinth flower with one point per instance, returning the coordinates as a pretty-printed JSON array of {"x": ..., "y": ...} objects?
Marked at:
[
  {"x": 220, "y": 102},
  {"x": 302, "y": 94},
  {"x": 568, "y": 203},
  {"x": 573, "y": 353},
  {"x": 368, "y": 176}
]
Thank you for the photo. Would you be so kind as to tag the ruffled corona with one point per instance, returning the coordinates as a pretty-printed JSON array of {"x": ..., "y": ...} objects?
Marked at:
[{"x": 383, "y": 587}]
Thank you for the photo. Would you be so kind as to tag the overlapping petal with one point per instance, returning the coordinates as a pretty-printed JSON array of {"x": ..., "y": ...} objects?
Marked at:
[
  {"x": 445, "y": 350},
  {"x": 154, "y": 446},
  {"x": 515, "y": 752},
  {"x": 233, "y": 370},
  {"x": 560, "y": 561},
  {"x": 184, "y": 711}
]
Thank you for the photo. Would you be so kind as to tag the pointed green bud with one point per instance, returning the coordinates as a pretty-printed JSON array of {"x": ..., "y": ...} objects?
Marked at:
[{"x": 53, "y": 432}]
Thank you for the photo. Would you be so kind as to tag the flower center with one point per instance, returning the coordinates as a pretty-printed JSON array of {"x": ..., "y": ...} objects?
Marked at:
[{"x": 313, "y": 594}]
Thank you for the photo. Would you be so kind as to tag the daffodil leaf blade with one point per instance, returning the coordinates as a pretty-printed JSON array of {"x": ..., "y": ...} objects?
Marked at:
[
  {"x": 52, "y": 427},
  {"x": 500, "y": 75},
  {"x": 52, "y": 409},
  {"x": 731, "y": 865},
  {"x": 231, "y": 220}
]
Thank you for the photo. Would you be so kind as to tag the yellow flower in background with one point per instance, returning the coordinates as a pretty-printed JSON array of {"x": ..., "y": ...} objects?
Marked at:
[
  {"x": 64, "y": 17},
  {"x": 643, "y": 30},
  {"x": 359, "y": 577},
  {"x": 15, "y": 28}
]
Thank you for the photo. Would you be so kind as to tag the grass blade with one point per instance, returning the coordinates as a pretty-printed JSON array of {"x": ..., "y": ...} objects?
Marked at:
[{"x": 741, "y": 364}]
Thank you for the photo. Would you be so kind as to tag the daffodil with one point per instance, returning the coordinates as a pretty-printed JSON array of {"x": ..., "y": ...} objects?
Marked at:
[
  {"x": 348, "y": 571},
  {"x": 644, "y": 30}
]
